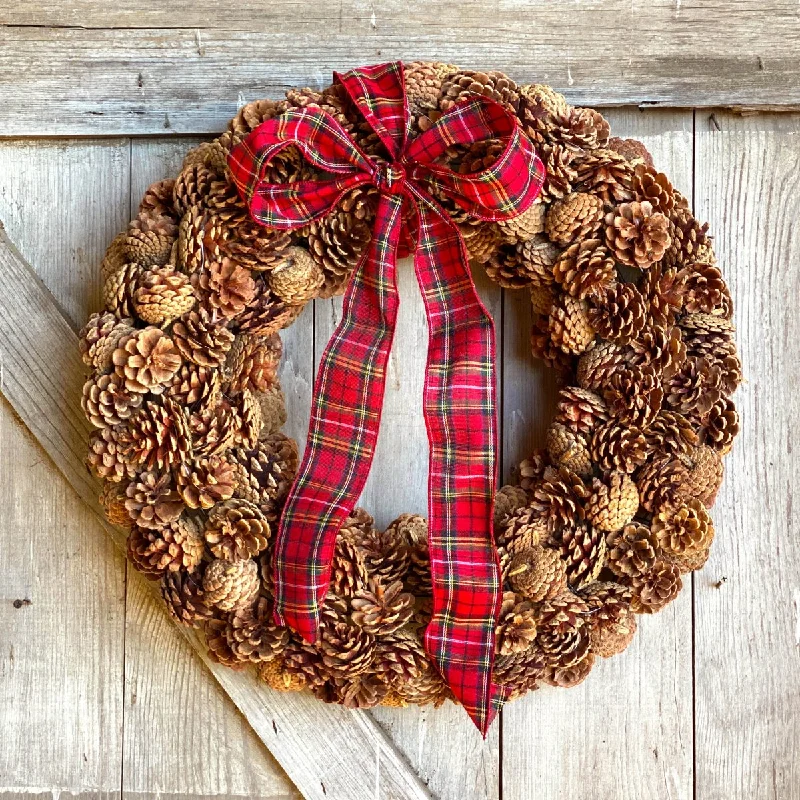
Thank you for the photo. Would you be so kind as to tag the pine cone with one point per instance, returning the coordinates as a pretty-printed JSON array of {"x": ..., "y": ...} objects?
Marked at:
[
  {"x": 683, "y": 530},
  {"x": 520, "y": 672},
  {"x": 524, "y": 528},
  {"x": 537, "y": 573},
  {"x": 632, "y": 550},
  {"x": 572, "y": 675},
  {"x": 424, "y": 84},
  {"x": 663, "y": 480},
  {"x": 347, "y": 650},
  {"x": 695, "y": 388},
  {"x": 399, "y": 658},
  {"x": 634, "y": 395},
  {"x": 107, "y": 402},
  {"x": 116, "y": 256},
  {"x": 583, "y": 550},
  {"x": 337, "y": 242},
  {"x": 184, "y": 597},
  {"x": 482, "y": 241},
  {"x": 596, "y": 366},
  {"x": 585, "y": 269},
  {"x": 274, "y": 674},
  {"x": 191, "y": 186},
  {"x": 213, "y": 429},
  {"x": 542, "y": 299},
  {"x": 177, "y": 546},
  {"x": 146, "y": 360},
  {"x": 542, "y": 111},
  {"x": 297, "y": 278},
  {"x": 562, "y": 632},
  {"x": 619, "y": 314},
  {"x": 427, "y": 688},
  {"x": 267, "y": 314},
  {"x": 112, "y": 499},
  {"x": 580, "y": 410},
  {"x": 162, "y": 296},
  {"x": 205, "y": 482},
  {"x": 99, "y": 337},
  {"x": 158, "y": 436},
  {"x": 618, "y": 447},
  {"x": 664, "y": 289},
  {"x": 253, "y": 636},
  {"x": 516, "y": 626},
  {"x": 348, "y": 569},
  {"x": 507, "y": 501},
  {"x": 119, "y": 288},
  {"x": 559, "y": 497},
  {"x": 631, "y": 149},
  {"x": 226, "y": 287},
  {"x": 570, "y": 325},
  {"x": 705, "y": 475},
  {"x": 363, "y": 691},
  {"x": 560, "y": 172},
  {"x": 706, "y": 291},
  {"x": 721, "y": 425},
  {"x": 386, "y": 557},
  {"x": 568, "y": 449},
  {"x": 149, "y": 240},
  {"x": 656, "y": 588},
  {"x": 653, "y": 187},
  {"x": 670, "y": 433},
  {"x": 195, "y": 386},
  {"x": 108, "y": 457},
  {"x": 604, "y": 173},
  {"x": 637, "y": 235},
  {"x": 252, "y": 363},
  {"x": 535, "y": 260},
  {"x": 412, "y": 529},
  {"x": 251, "y": 115},
  {"x": 525, "y": 226},
  {"x": 231, "y": 585},
  {"x": 152, "y": 502},
  {"x": 612, "y": 622},
  {"x": 613, "y": 502},
  {"x": 463, "y": 83},
  {"x": 531, "y": 470},
  {"x": 586, "y": 129},
  {"x": 273, "y": 409},
  {"x": 381, "y": 611},
  {"x": 573, "y": 218},
  {"x": 236, "y": 530},
  {"x": 688, "y": 237},
  {"x": 201, "y": 337},
  {"x": 658, "y": 348}
]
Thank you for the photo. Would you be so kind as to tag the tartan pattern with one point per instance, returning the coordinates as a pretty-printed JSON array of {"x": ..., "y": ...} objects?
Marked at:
[{"x": 459, "y": 401}]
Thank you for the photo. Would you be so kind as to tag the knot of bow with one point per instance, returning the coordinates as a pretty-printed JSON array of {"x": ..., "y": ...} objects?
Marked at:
[{"x": 459, "y": 391}]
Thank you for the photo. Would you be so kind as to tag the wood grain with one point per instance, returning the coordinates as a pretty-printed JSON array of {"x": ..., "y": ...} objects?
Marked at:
[
  {"x": 747, "y": 615},
  {"x": 92, "y": 68},
  {"x": 627, "y": 731}
]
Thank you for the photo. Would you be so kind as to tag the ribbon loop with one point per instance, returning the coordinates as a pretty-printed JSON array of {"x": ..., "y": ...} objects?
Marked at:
[{"x": 459, "y": 395}]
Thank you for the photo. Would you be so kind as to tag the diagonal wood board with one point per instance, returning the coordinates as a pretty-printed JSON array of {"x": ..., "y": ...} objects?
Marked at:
[{"x": 327, "y": 751}]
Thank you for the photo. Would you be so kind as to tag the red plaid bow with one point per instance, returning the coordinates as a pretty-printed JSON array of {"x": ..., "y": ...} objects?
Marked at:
[{"x": 459, "y": 395}]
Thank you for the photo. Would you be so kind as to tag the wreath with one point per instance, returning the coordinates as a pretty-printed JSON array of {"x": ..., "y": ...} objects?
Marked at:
[{"x": 631, "y": 311}]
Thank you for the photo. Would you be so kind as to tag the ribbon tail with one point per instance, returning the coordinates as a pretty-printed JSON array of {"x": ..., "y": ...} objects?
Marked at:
[{"x": 345, "y": 417}]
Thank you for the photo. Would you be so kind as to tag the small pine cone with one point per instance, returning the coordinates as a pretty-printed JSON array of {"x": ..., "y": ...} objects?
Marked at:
[
  {"x": 570, "y": 325},
  {"x": 212, "y": 154},
  {"x": 665, "y": 291},
  {"x": 653, "y": 187},
  {"x": 507, "y": 501},
  {"x": 568, "y": 449},
  {"x": 98, "y": 339},
  {"x": 559, "y": 497},
  {"x": 631, "y": 149},
  {"x": 119, "y": 288},
  {"x": 337, "y": 241},
  {"x": 219, "y": 651},
  {"x": 191, "y": 186},
  {"x": 482, "y": 241},
  {"x": 560, "y": 173},
  {"x": 613, "y": 638},
  {"x": 236, "y": 530},
  {"x": 247, "y": 413},
  {"x": 302, "y": 662},
  {"x": 386, "y": 557},
  {"x": 273, "y": 409},
  {"x": 349, "y": 573},
  {"x": 670, "y": 433},
  {"x": 152, "y": 502},
  {"x": 392, "y": 699},
  {"x": 542, "y": 111},
  {"x": 637, "y": 235},
  {"x": 177, "y": 546},
  {"x": 252, "y": 363},
  {"x": 116, "y": 256},
  {"x": 253, "y": 246},
  {"x": 184, "y": 598},
  {"x": 424, "y": 84},
  {"x": 106, "y": 401},
  {"x": 297, "y": 278},
  {"x": 516, "y": 626},
  {"x": 107, "y": 458},
  {"x": 542, "y": 299},
  {"x": 596, "y": 367},
  {"x": 604, "y": 173},
  {"x": 695, "y": 388},
  {"x": 632, "y": 550},
  {"x": 618, "y": 447},
  {"x": 361, "y": 692},
  {"x": 251, "y": 115},
  {"x": 563, "y": 631},
  {"x": 706, "y": 291},
  {"x": 162, "y": 296},
  {"x": 146, "y": 360},
  {"x": 634, "y": 395},
  {"x": 688, "y": 237},
  {"x": 205, "y": 482},
  {"x": 613, "y": 502},
  {"x": 659, "y": 348},
  {"x": 585, "y": 269},
  {"x": 524, "y": 226},
  {"x": 399, "y": 658},
  {"x": 382, "y": 611},
  {"x": 619, "y": 314},
  {"x": 231, "y": 585},
  {"x": 213, "y": 429},
  {"x": 520, "y": 673},
  {"x": 580, "y": 410},
  {"x": 227, "y": 287},
  {"x": 531, "y": 470},
  {"x": 508, "y": 268},
  {"x": 705, "y": 475},
  {"x": 567, "y": 677},
  {"x": 721, "y": 425},
  {"x": 274, "y": 674},
  {"x": 663, "y": 480},
  {"x": 253, "y": 636},
  {"x": 158, "y": 436},
  {"x": 463, "y": 83},
  {"x": 575, "y": 217},
  {"x": 525, "y": 527},
  {"x": 586, "y": 129},
  {"x": 655, "y": 588},
  {"x": 683, "y": 530},
  {"x": 195, "y": 386},
  {"x": 347, "y": 650},
  {"x": 537, "y": 573},
  {"x": 691, "y": 562},
  {"x": 608, "y": 602},
  {"x": 149, "y": 240},
  {"x": 112, "y": 499},
  {"x": 201, "y": 337},
  {"x": 583, "y": 550},
  {"x": 534, "y": 261}
]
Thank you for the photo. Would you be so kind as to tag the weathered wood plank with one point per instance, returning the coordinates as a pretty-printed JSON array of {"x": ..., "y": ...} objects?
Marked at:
[
  {"x": 627, "y": 731},
  {"x": 441, "y": 744},
  {"x": 321, "y": 748},
  {"x": 747, "y": 606},
  {"x": 94, "y": 68}
]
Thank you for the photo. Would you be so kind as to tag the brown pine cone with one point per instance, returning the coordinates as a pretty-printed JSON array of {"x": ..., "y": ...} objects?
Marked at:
[
  {"x": 225, "y": 286},
  {"x": 213, "y": 429},
  {"x": 683, "y": 530},
  {"x": 568, "y": 449},
  {"x": 108, "y": 455},
  {"x": 252, "y": 363},
  {"x": 580, "y": 410},
  {"x": 608, "y": 602},
  {"x": 662, "y": 480},
  {"x": 382, "y": 611},
  {"x": 349, "y": 573},
  {"x": 516, "y": 626},
  {"x": 112, "y": 499},
  {"x": 706, "y": 291},
  {"x": 604, "y": 173},
  {"x": 656, "y": 588},
  {"x": 530, "y": 471},
  {"x": 560, "y": 173},
  {"x": 632, "y": 149},
  {"x": 634, "y": 395},
  {"x": 542, "y": 111},
  {"x": 559, "y": 497},
  {"x": 273, "y": 409},
  {"x": 574, "y": 218},
  {"x": 201, "y": 337},
  {"x": 251, "y": 115},
  {"x": 619, "y": 313},
  {"x": 562, "y": 630},
  {"x": 412, "y": 529},
  {"x": 98, "y": 339},
  {"x": 688, "y": 237},
  {"x": 424, "y": 84},
  {"x": 524, "y": 226},
  {"x": 653, "y": 187},
  {"x": 162, "y": 296},
  {"x": 664, "y": 289},
  {"x": 253, "y": 636},
  {"x": 482, "y": 241},
  {"x": 427, "y": 688},
  {"x": 337, "y": 242},
  {"x": 596, "y": 366},
  {"x": 721, "y": 425},
  {"x": 274, "y": 674},
  {"x": 386, "y": 557},
  {"x": 247, "y": 413},
  {"x": 149, "y": 240},
  {"x": 184, "y": 597},
  {"x": 119, "y": 288},
  {"x": 461, "y": 84},
  {"x": 705, "y": 475},
  {"x": 297, "y": 278},
  {"x": 195, "y": 386},
  {"x": 583, "y": 550},
  {"x": 520, "y": 672},
  {"x": 507, "y": 501},
  {"x": 610, "y": 638},
  {"x": 618, "y": 447},
  {"x": 363, "y": 691},
  {"x": 637, "y": 235},
  {"x": 570, "y": 325},
  {"x": 542, "y": 299},
  {"x": 695, "y": 388},
  {"x": 632, "y": 550},
  {"x": 211, "y": 154},
  {"x": 613, "y": 502},
  {"x": 585, "y": 269},
  {"x": 152, "y": 502},
  {"x": 191, "y": 186},
  {"x": 219, "y": 651},
  {"x": 158, "y": 436},
  {"x": 157, "y": 200},
  {"x": 670, "y": 433},
  {"x": 399, "y": 658},
  {"x": 146, "y": 360},
  {"x": 537, "y": 573},
  {"x": 572, "y": 675},
  {"x": 107, "y": 402},
  {"x": 525, "y": 527},
  {"x": 347, "y": 650},
  {"x": 534, "y": 261},
  {"x": 236, "y": 530},
  {"x": 205, "y": 482},
  {"x": 586, "y": 129},
  {"x": 231, "y": 585},
  {"x": 177, "y": 546},
  {"x": 659, "y": 348}
]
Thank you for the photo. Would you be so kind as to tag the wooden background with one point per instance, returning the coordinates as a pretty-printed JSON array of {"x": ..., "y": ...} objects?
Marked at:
[{"x": 99, "y": 694}]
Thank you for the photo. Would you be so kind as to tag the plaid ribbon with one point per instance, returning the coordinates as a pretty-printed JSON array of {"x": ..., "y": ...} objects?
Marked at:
[{"x": 459, "y": 393}]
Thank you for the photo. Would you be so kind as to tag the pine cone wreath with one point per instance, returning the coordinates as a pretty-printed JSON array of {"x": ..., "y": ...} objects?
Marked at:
[{"x": 629, "y": 307}]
